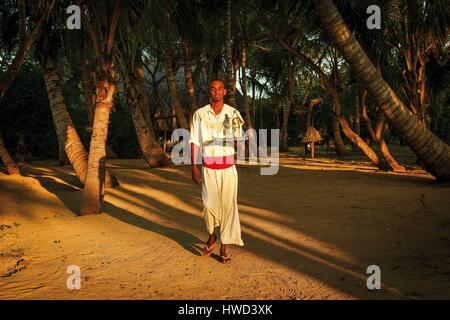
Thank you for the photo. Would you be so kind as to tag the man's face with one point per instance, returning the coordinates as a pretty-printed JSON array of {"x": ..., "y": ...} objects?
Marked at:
[{"x": 217, "y": 91}]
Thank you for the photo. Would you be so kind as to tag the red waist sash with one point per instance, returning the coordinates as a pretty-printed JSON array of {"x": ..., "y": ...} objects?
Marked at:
[{"x": 218, "y": 162}]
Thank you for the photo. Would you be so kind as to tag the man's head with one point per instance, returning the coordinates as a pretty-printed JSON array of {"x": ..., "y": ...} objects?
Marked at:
[{"x": 217, "y": 90}]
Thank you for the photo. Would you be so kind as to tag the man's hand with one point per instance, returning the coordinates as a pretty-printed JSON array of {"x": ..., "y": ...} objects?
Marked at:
[{"x": 196, "y": 175}]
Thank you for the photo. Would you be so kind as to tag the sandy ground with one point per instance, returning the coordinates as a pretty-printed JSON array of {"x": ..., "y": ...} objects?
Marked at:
[{"x": 310, "y": 232}]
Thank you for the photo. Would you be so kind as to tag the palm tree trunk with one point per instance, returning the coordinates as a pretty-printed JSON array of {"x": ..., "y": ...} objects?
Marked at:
[
  {"x": 356, "y": 117},
  {"x": 62, "y": 156},
  {"x": 94, "y": 188},
  {"x": 339, "y": 145},
  {"x": 67, "y": 135},
  {"x": 89, "y": 98},
  {"x": 363, "y": 111},
  {"x": 356, "y": 139},
  {"x": 314, "y": 102},
  {"x": 253, "y": 76},
  {"x": 88, "y": 86},
  {"x": 70, "y": 140},
  {"x": 245, "y": 105},
  {"x": 10, "y": 165},
  {"x": 432, "y": 151},
  {"x": 193, "y": 105},
  {"x": 287, "y": 109},
  {"x": 151, "y": 150},
  {"x": 231, "y": 93},
  {"x": 284, "y": 128},
  {"x": 377, "y": 135},
  {"x": 144, "y": 102},
  {"x": 384, "y": 149},
  {"x": 105, "y": 89},
  {"x": 276, "y": 116},
  {"x": 172, "y": 85}
]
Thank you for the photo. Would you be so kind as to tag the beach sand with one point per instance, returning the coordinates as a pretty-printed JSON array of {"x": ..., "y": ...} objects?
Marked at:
[{"x": 310, "y": 232}]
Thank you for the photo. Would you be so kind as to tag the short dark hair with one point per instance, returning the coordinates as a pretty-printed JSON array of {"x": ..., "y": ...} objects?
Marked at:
[{"x": 216, "y": 79}]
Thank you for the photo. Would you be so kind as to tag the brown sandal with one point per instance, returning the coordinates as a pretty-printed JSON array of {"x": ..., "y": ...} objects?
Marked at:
[
  {"x": 208, "y": 250},
  {"x": 225, "y": 259}
]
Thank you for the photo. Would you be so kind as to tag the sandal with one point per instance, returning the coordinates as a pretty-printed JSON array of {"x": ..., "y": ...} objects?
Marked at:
[
  {"x": 225, "y": 259},
  {"x": 208, "y": 250}
]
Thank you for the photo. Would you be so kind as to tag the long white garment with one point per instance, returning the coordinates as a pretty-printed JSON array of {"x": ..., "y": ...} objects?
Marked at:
[
  {"x": 219, "y": 186},
  {"x": 220, "y": 208}
]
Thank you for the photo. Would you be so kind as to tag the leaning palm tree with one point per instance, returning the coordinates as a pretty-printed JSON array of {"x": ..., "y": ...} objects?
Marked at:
[
  {"x": 10, "y": 165},
  {"x": 129, "y": 53},
  {"x": 432, "y": 151},
  {"x": 68, "y": 138},
  {"x": 101, "y": 19}
]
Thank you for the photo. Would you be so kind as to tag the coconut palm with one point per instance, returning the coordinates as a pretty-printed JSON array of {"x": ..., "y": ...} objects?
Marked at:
[
  {"x": 131, "y": 35},
  {"x": 102, "y": 34},
  {"x": 231, "y": 90},
  {"x": 10, "y": 165},
  {"x": 433, "y": 152},
  {"x": 68, "y": 138}
]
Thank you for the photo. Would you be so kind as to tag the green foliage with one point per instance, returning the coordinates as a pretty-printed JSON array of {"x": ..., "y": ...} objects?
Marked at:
[{"x": 25, "y": 115}]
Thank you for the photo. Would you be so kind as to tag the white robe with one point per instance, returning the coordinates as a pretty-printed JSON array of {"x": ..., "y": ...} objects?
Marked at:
[{"x": 219, "y": 186}]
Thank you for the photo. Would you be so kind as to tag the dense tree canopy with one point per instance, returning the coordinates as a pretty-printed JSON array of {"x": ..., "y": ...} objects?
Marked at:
[{"x": 151, "y": 61}]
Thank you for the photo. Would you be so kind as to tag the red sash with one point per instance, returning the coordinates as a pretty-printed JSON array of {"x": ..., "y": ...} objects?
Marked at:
[{"x": 218, "y": 162}]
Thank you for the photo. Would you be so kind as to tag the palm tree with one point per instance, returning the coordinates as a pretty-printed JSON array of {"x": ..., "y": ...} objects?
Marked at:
[
  {"x": 289, "y": 104},
  {"x": 68, "y": 137},
  {"x": 87, "y": 85},
  {"x": 187, "y": 65},
  {"x": 102, "y": 34},
  {"x": 171, "y": 83},
  {"x": 274, "y": 31},
  {"x": 231, "y": 91},
  {"x": 10, "y": 165},
  {"x": 433, "y": 152},
  {"x": 377, "y": 134},
  {"x": 129, "y": 57}
]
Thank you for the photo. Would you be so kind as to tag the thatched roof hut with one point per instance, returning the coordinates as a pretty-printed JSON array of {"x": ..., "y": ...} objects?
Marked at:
[{"x": 311, "y": 136}]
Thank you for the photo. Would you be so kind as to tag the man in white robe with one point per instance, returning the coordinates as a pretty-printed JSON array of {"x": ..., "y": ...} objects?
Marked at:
[{"x": 219, "y": 179}]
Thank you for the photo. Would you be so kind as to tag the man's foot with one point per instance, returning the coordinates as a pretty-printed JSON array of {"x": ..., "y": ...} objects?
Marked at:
[
  {"x": 223, "y": 255},
  {"x": 207, "y": 250}
]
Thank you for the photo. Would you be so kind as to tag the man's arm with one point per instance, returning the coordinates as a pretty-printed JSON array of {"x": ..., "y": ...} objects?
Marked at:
[
  {"x": 196, "y": 175},
  {"x": 194, "y": 140}
]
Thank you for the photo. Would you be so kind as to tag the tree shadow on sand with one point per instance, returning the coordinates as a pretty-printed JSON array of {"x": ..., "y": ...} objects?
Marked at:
[
  {"x": 185, "y": 239},
  {"x": 294, "y": 254}
]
